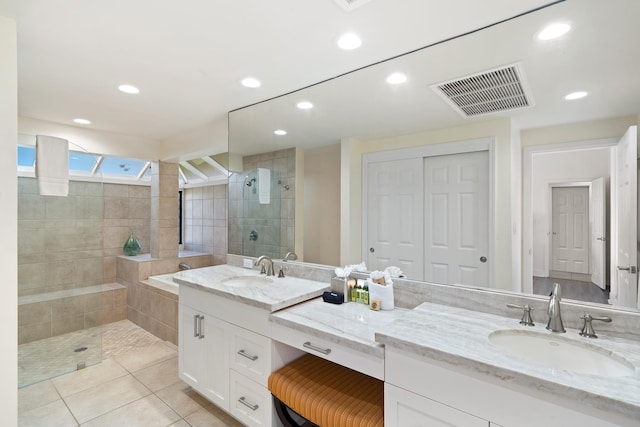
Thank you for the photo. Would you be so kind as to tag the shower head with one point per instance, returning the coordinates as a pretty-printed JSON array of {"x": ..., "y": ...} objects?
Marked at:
[{"x": 249, "y": 182}]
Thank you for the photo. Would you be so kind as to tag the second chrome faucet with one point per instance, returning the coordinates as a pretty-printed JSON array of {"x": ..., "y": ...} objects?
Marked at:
[{"x": 555, "y": 316}]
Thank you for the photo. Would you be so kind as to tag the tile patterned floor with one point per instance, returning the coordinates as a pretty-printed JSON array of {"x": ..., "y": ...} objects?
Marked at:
[{"x": 137, "y": 384}]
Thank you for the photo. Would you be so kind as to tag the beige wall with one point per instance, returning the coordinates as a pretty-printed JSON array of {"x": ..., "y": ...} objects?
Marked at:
[
  {"x": 8, "y": 218},
  {"x": 500, "y": 129},
  {"x": 322, "y": 205}
]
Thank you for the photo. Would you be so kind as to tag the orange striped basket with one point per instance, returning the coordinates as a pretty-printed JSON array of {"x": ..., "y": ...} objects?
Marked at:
[{"x": 329, "y": 395}]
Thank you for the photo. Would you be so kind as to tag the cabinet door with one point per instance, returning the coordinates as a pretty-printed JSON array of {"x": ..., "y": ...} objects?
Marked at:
[
  {"x": 405, "y": 409},
  {"x": 203, "y": 356},
  {"x": 216, "y": 360},
  {"x": 191, "y": 349}
]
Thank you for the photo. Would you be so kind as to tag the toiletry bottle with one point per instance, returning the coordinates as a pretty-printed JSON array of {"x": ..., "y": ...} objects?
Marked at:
[
  {"x": 365, "y": 294},
  {"x": 354, "y": 292}
]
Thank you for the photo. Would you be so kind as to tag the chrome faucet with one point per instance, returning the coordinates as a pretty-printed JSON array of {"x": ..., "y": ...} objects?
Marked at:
[
  {"x": 268, "y": 268},
  {"x": 555, "y": 319},
  {"x": 290, "y": 256},
  {"x": 184, "y": 266}
]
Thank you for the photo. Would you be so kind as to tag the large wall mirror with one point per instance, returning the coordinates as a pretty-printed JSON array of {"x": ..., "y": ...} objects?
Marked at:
[{"x": 473, "y": 170}]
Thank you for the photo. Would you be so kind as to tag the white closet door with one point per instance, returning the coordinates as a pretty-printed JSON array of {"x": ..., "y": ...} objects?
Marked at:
[
  {"x": 457, "y": 219},
  {"x": 598, "y": 237},
  {"x": 394, "y": 216},
  {"x": 626, "y": 178},
  {"x": 570, "y": 229}
]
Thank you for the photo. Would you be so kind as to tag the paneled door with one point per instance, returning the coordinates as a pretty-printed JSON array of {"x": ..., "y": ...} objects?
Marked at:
[
  {"x": 457, "y": 218},
  {"x": 570, "y": 229},
  {"x": 626, "y": 293},
  {"x": 394, "y": 216},
  {"x": 598, "y": 236}
]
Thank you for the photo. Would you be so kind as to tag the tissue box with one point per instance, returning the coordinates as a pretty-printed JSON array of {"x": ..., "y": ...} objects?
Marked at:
[
  {"x": 382, "y": 293},
  {"x": 340, "y": 285}
]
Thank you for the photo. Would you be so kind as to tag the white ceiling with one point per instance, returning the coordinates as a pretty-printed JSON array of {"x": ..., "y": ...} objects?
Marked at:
[{"x": 187, "y": 58}]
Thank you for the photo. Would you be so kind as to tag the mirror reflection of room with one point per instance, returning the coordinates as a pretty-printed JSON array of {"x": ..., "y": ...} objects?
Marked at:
[{"x": 396, "y": 150}]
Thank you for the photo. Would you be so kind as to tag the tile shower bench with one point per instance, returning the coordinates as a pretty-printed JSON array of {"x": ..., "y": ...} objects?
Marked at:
[{"x": 55, "y": 313}]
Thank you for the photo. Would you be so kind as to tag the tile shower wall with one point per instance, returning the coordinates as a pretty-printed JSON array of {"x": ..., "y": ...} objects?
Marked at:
[
  {"x": 71, "y": 242},
  {"x": 282, "y": 164},
  {"x": 205, "y": 221}
]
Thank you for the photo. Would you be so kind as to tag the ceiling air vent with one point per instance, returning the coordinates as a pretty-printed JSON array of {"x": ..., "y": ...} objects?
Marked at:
[
  {"x": 349, "y": 5},
  {"x": 487, "y": 92}
]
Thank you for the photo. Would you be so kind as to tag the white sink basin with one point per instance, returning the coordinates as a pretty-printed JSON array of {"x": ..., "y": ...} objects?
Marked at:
[
  {"x": 246, "y": 281},
  {"x": 559, "y": 352}
]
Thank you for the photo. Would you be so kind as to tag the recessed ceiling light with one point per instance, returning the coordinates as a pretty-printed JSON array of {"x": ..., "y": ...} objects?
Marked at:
[
  {"x": 575, "y": 95},
  {"x": 251, "y": 82},
  {"x": 82, "y": 121},
  {"x": 396, "y": 78},
  {"x": 280, "y": 132},
  {"x": 349, "y": 41},
  {"x": 554, "y": 31},
  {"x": 304, "y": 105},
  {"x": 128, "y": 89}
]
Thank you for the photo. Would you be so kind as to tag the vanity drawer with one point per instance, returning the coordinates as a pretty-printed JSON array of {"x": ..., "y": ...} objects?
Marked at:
[
  {"x": 337, "y": 353},
  {"x": 249, "y": 402},
  {"x": 250, "y": 354}
]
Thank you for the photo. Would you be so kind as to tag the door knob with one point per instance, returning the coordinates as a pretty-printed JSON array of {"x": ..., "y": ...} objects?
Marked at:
[
  {"x": 372, "y": 250},
  {"x": 602, "y": 239},
  {"x": 483, "y": 259}
]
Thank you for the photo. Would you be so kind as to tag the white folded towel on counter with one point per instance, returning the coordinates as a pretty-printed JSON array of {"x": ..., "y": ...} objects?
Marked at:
[
  {"x": 264, "y": 186},
  {"x": 52, "y": 165}
]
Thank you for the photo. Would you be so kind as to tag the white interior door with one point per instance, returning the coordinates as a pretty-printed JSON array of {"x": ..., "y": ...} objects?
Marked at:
[
  {"x": 394, "y": 216},
  {"x": 626, "y": 212},
  {"x": 598, "y": 237},
  {"x": 570, "y": 229},
  {"x": 457, "y": 218}
]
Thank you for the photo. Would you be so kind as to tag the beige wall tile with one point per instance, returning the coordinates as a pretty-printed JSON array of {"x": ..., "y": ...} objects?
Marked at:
[
  {"x": 116, "y": 207},
  {"x": 139, "y": 191},
  {"x": 67, "y": 307},
  {"x": 99, "y": 301},
  {"x": 60, "y": 207},
  {"x": 68, "y": 324},
  {"x": 109, "y": 268},
  {"x": 98, "y": 318},
  {"x": 139, "y": 208},
  {"x": 29, "y": 314},
  {"x": 120, "y": 313},
  {"x": 34, "y": 332},
  {"x": 119, "y": 297},
  {"x": 31, "y": 207}
]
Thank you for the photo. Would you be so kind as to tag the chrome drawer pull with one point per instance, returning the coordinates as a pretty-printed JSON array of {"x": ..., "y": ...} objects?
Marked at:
[
  {"x": 243, "y": 354},
  {"x": 201, "y": 328},
  {"x": 195, "y": 325},
  {"x": 247, "y": 404},
  {"x": 314, "y": 348}
]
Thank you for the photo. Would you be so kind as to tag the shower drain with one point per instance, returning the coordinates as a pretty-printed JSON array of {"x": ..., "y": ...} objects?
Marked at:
[{"x": 80, "y": 349}]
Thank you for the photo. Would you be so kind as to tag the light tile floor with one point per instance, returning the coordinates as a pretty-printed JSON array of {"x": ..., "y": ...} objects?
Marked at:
[{"x": 137, "y": 384}]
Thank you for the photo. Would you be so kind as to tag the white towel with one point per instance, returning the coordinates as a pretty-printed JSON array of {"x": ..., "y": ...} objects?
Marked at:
[
  {"x": 264, "y": 186},
  {"x": 383, "y": 293},
  {"x": 52, "y": 165}
]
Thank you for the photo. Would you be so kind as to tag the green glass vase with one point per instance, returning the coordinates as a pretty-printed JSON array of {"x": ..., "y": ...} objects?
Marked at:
[{"x": 132, "y": 246}]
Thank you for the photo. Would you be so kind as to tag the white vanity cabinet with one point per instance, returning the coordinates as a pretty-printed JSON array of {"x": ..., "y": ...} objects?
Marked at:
[
  {"x": 420, "y": 391},
  {"x": 226, "y": 354}
]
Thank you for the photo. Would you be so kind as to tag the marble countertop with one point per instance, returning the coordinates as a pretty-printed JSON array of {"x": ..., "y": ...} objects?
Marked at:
[
  {"x": 461, "y": 337},
  {"x": 350, "y": 324},
  {"x": 279, "y": 294}
]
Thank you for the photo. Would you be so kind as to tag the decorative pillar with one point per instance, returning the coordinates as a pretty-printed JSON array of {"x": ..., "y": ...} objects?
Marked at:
[{"x": 164, "y": 210}]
